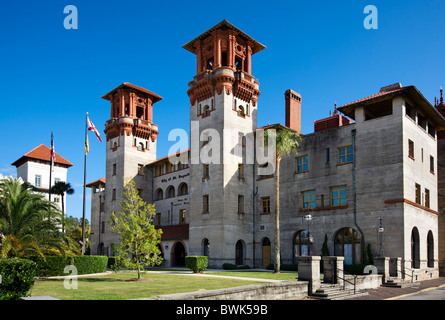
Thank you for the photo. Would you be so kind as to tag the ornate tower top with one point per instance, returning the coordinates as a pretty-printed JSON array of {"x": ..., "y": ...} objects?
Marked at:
[
  {"x": 224, "y": 61},
  {"x": 439, "y": 104},
  {"x": 131, "y": 112},
  {"x": 224, "y": 45}
]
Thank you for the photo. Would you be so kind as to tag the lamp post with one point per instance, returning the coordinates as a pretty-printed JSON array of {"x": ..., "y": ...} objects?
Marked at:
[
  {"x": 381, "y": 230},
  {"x": 308, "y": 219}
]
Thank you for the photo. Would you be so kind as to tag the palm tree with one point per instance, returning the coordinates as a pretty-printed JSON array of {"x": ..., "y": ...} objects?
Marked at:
[
  {"x": 28, "y": 222},
  {"x": 60, "y": 188},
  {"x": 287, "y": 142}
]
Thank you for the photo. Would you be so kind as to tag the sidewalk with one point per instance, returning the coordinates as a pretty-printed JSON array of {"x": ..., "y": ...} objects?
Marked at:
[{"x": 387, "y": 293}]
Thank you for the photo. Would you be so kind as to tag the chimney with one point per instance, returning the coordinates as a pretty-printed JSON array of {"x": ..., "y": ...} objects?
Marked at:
[{"x": 293, "y": 110}]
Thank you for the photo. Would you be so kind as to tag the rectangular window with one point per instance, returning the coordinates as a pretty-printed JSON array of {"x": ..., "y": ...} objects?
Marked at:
[
  {"x": 113, "y": 197},
  {"x": 302, "y": 164},
  {"x": 114, "y": 169},
  {"x": 181, "y": 216},
  {"x": 427, "y": 198},
  {"x": 345, "y": 155},
  {"x": 205, "y": 171},
  {"x": 103, "y": 227},
  {"x": 431, "y": 164},
  {"x": 411, "y": 149},
  {"x": 205, "y": 203},
  {"x": 328, "y": 156},
  {"x": 309, "y": 199},
  {"x": 265, "y": 204},
  {"x": 240, "y": 171},
  {"x": 418, "y": 194},
  {"x": 37, "y": 181},
  {"x": 158, "y": 219},
  {"x": 240, "y": 204},
  {"x": 338, "y": 196}
]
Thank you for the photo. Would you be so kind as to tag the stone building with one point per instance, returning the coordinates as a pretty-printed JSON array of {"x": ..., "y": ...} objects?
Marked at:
[{"x": 367, "y": 175}]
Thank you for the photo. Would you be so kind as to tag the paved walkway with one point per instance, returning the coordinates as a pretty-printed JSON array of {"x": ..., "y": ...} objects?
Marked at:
[{"x": 387, "y": 293}]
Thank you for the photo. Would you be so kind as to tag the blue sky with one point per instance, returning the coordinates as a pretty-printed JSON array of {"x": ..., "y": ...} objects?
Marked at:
[{"x": 50, "y": 77}]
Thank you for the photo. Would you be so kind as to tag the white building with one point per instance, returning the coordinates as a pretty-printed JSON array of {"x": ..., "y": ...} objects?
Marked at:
[{"x": 34, "y": 167}]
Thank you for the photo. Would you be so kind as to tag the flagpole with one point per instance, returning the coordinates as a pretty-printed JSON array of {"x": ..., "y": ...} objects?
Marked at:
[
  {"x": 50, "y": 167},
  {"x": 84, "y": 186}
]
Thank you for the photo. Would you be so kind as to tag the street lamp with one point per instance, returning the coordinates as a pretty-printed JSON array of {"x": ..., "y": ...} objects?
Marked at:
[
  {"x": 308, "y": 219},
  {"x": 381, "y": 230}
]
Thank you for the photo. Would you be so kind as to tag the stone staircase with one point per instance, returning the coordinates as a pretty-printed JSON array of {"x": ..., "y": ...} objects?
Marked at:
[
  {"x": 335, "y": 292},
  {"x": 399, "y": 283}
]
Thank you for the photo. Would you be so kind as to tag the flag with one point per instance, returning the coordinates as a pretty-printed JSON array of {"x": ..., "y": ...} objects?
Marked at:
[
  {"x": 87, "y": 147},
  {"x": 53, "y": 154},
  {"x": 90, "y": 126}
]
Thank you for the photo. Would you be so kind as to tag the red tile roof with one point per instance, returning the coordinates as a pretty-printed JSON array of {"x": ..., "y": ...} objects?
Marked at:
[
  {"x": 101, "y": 180},
  {"x": 42, "y": 152},
  {"x": 155, "y": 98},
  {"x": 374, "y": 96}
]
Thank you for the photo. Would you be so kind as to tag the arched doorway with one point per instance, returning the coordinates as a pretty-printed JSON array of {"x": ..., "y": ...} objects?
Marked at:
[
  {"x": 205, "y": 247},
  {"x": 239, "y": 252},
  {"x": 266, "y": 252},
  {"x": 430, "y": 249},
  {"x": 347, "y": 243},
  {"x": 415, "y": 249},
  {"x": 178, "y": 255}
]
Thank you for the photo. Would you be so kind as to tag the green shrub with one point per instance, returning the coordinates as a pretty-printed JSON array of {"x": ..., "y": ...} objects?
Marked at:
[
  {"x": 196, "y": 263},
  {"x": 90, "y": 264},
  {"x": 229, "y": 266},
  {"x": 17, "y": 277},
  {"x": 55, "y": 265}
]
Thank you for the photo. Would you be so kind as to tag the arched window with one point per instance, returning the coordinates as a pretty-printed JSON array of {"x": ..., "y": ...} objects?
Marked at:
[
  {"x": 241, "y": 111},
  {"x": 415, "y": 249},
  {"x": 183, "y": 189},
  {"x": 205, "y": 247},
  {"x": 170, "y": 192},
  {"x": 141, "y": 146},
  {"x": 206, "y": 111},
  {"x": 430, "y": 249},
  {"x": 347, "y": 243},
  {"x": 301, "y": 244},
  {"x": 159, "y": 194}
]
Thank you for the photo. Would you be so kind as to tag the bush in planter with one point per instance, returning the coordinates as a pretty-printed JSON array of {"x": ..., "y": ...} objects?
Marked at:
[
  {"x": 196, "y": 263},
  {"x": 17, "y": 277}
]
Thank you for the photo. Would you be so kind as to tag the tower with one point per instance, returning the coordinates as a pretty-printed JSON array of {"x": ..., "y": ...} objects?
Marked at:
[
  {"x": 131, "y": 144},
  {"x": 293, "y": 110},
  {"x": 223, "y": 112}
]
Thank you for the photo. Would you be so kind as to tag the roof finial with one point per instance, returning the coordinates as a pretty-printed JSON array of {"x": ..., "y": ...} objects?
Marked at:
[{"x": 441, "y": 94}]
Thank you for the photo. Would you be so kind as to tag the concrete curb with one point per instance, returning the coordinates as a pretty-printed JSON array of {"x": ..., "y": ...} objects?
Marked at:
[{"x": 413, "y": 293}]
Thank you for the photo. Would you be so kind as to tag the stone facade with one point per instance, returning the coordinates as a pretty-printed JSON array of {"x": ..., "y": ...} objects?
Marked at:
[{"x": 366, "y": 177}]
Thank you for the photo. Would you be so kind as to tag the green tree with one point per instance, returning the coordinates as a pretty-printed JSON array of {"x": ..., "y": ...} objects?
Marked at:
[
  {"x": 60, "y": 188},
  {"x": 287, "y": 142},
  {"x": 138, "y": 238},
  {"x": 29, "y": 223},
  {"x": 74, "y": 231}
]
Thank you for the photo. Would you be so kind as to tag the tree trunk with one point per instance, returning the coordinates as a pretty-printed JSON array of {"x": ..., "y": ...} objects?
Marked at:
[
  {"x": 277, "y": 217},
  {"x": 63, "y": 214}
]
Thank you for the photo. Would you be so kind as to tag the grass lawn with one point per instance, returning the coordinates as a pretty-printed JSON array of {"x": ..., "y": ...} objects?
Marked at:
[{"x": 117, "y": 286}]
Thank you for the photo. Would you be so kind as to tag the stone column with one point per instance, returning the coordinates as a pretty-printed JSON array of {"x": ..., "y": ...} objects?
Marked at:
[
  {"x": 333, "y": 269},
  {"x": 382, "y": 265},
  {"x": 309, "y": 270},
  {"x": 395, "y": 267}
]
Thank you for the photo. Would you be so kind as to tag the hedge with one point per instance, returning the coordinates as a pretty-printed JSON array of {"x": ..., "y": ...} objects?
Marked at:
[
  {"x": 55, "y": 265},
  {"x": 196, "y": 263},
  {"x": 17, "y": 277}
]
